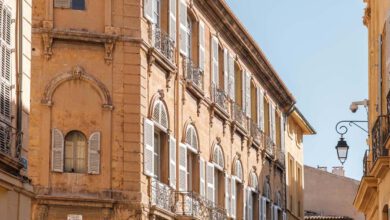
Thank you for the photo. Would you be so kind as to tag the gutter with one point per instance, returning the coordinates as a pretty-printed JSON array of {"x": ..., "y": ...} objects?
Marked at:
[{"x": 19, "y": 60}]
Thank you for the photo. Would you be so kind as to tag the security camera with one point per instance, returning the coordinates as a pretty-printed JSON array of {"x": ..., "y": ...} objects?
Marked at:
[{"x": 355, "y": 105}]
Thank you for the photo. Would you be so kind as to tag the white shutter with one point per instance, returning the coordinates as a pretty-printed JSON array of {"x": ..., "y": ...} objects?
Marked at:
[
  {"x": 264, "y": 208},
  {"x": 202, "y": 178},
  {"x": 214, "y": 63},
  {"x": 282, "y": 130},
  {"x": 148, "y": 147},
  {"x": 243, "y": 89},
  {"x": 250, "y": 205},
  {"x": 248, "y": 94},
  {"x": 379, "y": 97},
  {"x": 172, "y": 19},
  {"x": 258, "y": 107},
  {"x": 148, "y": 9},
  {"x": 94, "y": 153},
  {"x": 227, "y": 194},
  {"x": 183, "y": 27},
  {"x": 172, "y": 162},
  {"x": 210, "y": 182},
  {"x": 260, "y": 208},
  {"x": 273, "y": 124},
  {"x": 231, "y": 78},
  {"x": 262, "y": 118},
  {"x": 182, "y": 167},
  {"x": 202, "y": 53},
  {"x": 244, "y": 201},
  {"x": 387, "y": 52},
  {"x": 226, "y": 71},
  {"x": 284, "y": 216},
  {"x": 233, "y": 209},
  {"x": 275, "y": 212},
  {"x": 272, "y": 212},
  {"x": 57, "y": 144}
]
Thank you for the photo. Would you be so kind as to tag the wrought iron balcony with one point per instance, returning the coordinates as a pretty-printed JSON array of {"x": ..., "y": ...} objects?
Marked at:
[
  {"x": 380, "y": 134},
  {"x": 238, "y": 115},
  {"x": 161, "y": 196},
  {"x": 218, "y": 96},
  {"x": 194, "y": 206},
  {"x": 161, "y": 41},
  {"x": 193, "y": 74},
  {"x": 256, "y": 133},
  {"x": 281, "y": 157},
  {"x": 269, "y": 145}
]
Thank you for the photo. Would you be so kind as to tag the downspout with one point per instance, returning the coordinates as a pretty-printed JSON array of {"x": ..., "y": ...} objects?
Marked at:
[{"x": 19, "y": 58}]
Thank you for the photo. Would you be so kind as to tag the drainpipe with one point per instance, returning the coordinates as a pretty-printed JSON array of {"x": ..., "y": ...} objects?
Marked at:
[{"x": 19, "y": 57}]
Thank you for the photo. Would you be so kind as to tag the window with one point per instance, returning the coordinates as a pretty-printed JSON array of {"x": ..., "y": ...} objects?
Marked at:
[
  {"x": 278, "y": 132},
  {"x": 75, "y": 152},
  {"x": 252, "y": 197},
  {"x": 253, "y": 102},
  {"x": 291, "y": 182},
  {"x": 192, "y": 152},
  {"x": 238, "y": 85},
  {"x": 219, "y": 177},
  {"x": 189, "y": 38},
  {"x": 299, "y": 189},
  {"x": 235, "y": 190},
  {"x": 72, "y": 4}
]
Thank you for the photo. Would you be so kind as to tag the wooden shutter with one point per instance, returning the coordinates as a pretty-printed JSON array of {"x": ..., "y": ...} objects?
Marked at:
[
  {"x": 244, "y": 203},
  {"x": 57, "y": 145},
  {"x": 210, "y": 182},
  {"x": 202, "y": 53},
  {"x": 379, "y": 97},
  {"x": 226, "y": 71},
  {"x": 264, "y": 208},
  {"x": 243, "y": 89},
  {"x": 250, "y": 205},
  {"x": 183, "y": 27},
  {"x": 273, "y": 115},
  {"x": 387, "y": 53},
  {"x": 260, "y": 208},
  {"x": 275, "y": 212},
  {"x": 172, "y": 162},
  {"x": 262, "y": 118},
  {"x": 227, "y": 194},
  {"x": 172, "y": 19},
  {"x": 272, "y": 212},
  {"x": 148, "y": 9},
  {"x": 258, "y": 107},
  {"x": 231, "y": 78},
  {"x": 233, "y": 210},
  {"x": 282, "y": 130},
  {"x": 182, "y": 167},
  {"x": 148, "y": 147},
  {"x": 284, "y": 216},
  {"x": 214, "y": 63},
  {"x": 202, "y": 178},
  {"x": 248, "y": 94},
  {"x": 94, "y": 153}
]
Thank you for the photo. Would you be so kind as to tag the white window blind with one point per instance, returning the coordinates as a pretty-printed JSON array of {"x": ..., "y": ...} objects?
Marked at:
[
  {"x": 172, "y": 162},
  {"x": 263, "y": 210},
  {"x": 172, "y": 19},
  {"x": 202, "y": 178},
  {"x": 248, "y": 94},
  {"x": 57, "y": 156},
  {"x": 282, "y": 132},
  {"x": 214, "y": 61},
  {"x": 233, "y": 209},
  {"x": 227, "y": 195},
  {"x": 202, "y": 53},
  {"x": 148, "y": 147},
  {"x": 226, "y": 70},
  {"x": 210, "y": 182},
  {"x": 94, "y": 153},
  {"x": 183, "y": 27},
  {"x": 182, "y": 167},
  {"x": 231, "y": 77}
]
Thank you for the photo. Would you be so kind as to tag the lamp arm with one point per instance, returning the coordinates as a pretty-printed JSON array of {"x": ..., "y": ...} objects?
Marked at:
[{"x": 343, "y": 129}]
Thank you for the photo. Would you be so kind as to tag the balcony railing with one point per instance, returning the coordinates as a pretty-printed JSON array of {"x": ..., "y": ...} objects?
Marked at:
[
  {"x": 380, "y": 134},
  {"x": 162, "y": 42},
  {"x": 193, "y": 73},
  {"x": 161, "y": 196},
  {"x": 238, "y": 115},
  {"x": 10, "y": 140},
  {"x": 269, "y": 145},
  {"x": 281, "y": 157},
  {"x": 218, "y": 96},
  {"x": 255, "y": 132}
]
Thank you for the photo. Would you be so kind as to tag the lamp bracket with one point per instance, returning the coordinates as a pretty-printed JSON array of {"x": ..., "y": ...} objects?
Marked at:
[{"x": 341, "y": 127}]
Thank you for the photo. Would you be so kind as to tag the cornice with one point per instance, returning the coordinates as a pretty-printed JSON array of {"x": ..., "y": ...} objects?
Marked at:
[{"x": 227, "y": 24}]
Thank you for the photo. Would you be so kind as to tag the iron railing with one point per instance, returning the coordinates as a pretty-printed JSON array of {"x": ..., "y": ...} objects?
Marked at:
[
  {"x": 193, "y": 73},
  {"x": 281, "y": 157},
  {"x": 161, "y": 196},
  {"x": 191, "y": 204},
  {"x": 238, "y": 115},
  {"x": 218, "y": 96},
  {"x": 269, "y": 145},
  {"x": 380, "y": 134},
  {"x": 162, "y": 42},
  {"x": 256, "y": 133},
  {"x": 10, "y": 140}
]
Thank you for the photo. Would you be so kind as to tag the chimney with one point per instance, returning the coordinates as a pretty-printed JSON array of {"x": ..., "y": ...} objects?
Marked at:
[
  {"x": 339, "y": 171},
  {"x": 322, "y": 168}
]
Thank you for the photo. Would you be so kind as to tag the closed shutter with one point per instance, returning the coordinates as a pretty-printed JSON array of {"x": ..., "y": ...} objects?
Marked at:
[
  {"x": 214, "y": 63},
  {"x": 148, "y": 9},
  {"x": 172, "y": 162},
  {"x": 250, "y": 205},
  {"x": 273, "y": 115},
  {"x": 260, "y": 208},
  {"x": 262, "y": 118},
  {"x": 282, "y": 130},
  {"x": 233, "y": 210},
  {"x": 231, "y": 78},
  {"x": 94, "y": 153},
  {"x": 226, "y": 71},
  {"x": 272, "y": 212},
  {"x": 276, "y": 212},
  {"x": 258, "y": 107},
  {"x": 57, "y": 145},
  {"x": 244, "y": 203},
  {"x": 148, "y": 147},
  {"x": 172, "y": 19},
  {"x": 243, "y": 89},
  {"x": 284, "y": 216},
  {"x": 248, "y": 94},
  {"x": 379, "y": 97},
  {"x": 202, "y": 53},
  {"x": 264, "y": 208},
  {"x": 227, "y": 194},
  {"x": 183, "y": 27},
  {"x": 182, "y": 167},
  {"x": 202, "y": 178},
  {"x": 5, "y": 54},
  {"x": 387, "y": 53},
  {"x": 210, "y": 182}
]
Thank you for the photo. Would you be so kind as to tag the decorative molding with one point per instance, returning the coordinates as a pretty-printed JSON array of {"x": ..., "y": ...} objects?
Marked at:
[
  {"x": 47, "y": 45},
  {"x": 367, "y": 16},
  {"x": 77, "y": 73}
]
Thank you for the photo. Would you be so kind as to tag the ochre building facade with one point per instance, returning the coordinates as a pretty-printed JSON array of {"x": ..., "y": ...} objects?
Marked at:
[
  {"x": 154, "y": 109},
  {"x": 372, "y": 198}
]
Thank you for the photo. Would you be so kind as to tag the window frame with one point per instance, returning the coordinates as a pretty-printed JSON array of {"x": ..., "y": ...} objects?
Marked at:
[{"x": 75, "y": 150}]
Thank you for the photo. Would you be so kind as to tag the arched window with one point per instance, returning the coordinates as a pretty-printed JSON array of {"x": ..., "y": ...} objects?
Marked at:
[
  {"x": 75, "y": 152},
  {"x": 160, "y": 115},
  {"x": 238, "y": 170},
  {"x": 218, "y": 158},
  {"x": 192, "y": 138}
]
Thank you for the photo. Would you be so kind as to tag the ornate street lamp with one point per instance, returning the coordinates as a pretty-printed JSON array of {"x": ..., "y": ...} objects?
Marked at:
[{"x": 342, "y": 146}]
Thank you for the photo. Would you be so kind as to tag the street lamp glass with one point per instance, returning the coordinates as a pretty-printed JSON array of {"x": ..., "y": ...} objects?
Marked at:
[{"x": 342, "y": 150}]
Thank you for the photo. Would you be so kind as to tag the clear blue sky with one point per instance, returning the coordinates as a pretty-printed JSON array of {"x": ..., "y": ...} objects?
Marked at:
[{"x": 319, "y": 48}]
